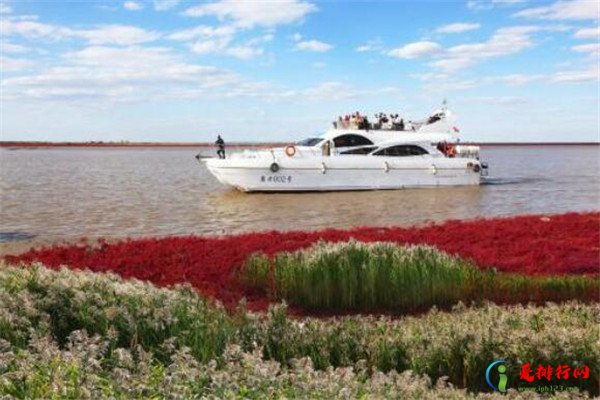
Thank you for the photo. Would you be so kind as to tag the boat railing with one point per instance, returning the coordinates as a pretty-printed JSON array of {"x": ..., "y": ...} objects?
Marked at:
[{"x": 392, "y": 127}]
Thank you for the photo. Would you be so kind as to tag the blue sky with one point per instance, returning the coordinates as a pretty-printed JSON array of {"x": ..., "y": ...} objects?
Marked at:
[{"x": 172, "y": 70}]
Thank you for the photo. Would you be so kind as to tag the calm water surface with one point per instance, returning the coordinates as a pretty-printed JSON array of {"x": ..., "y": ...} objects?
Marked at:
[{"x": 68, "y": 193}]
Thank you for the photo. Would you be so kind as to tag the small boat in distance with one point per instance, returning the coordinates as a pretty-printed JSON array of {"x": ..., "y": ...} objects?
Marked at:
[{"x": 358, "y": 156}]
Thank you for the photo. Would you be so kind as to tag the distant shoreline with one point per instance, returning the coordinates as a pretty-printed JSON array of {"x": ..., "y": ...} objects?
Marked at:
[
  {"x": 24, "y": 144},
  {"x": 129, "y": 144}
]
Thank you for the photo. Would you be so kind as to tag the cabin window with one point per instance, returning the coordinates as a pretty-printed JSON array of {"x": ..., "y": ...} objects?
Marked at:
[
  {"x": 310, "y": 142},
  {"x": 401, "y": 151},
  {"x": 351, "y": 141},
  {"x": 361, "y": 150}
]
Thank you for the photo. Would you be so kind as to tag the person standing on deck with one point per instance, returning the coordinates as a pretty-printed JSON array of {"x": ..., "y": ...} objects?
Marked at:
[{"x": 221, "y": 143}]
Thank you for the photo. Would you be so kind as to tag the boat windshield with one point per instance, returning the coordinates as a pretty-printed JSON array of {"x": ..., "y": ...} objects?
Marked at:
[{"x": 310, "y": 142}]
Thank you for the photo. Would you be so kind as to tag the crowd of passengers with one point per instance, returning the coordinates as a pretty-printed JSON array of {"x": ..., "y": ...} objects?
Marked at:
[
  {"x": 385, "y": 122},
  {"x": 382, "y": 121}
]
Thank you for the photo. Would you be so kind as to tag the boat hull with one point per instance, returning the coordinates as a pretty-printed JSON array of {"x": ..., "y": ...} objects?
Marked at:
[{"x": 343, "y": 173}]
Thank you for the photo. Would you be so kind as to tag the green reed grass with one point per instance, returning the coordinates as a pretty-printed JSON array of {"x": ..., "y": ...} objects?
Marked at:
[
  {"x": 525, "y": 288},
  {"x": 129, "y": 313},
  {"x": 457, "y": 345},
  {"x": 75, "y": 334},
  {"x": 358, "y": 276}
]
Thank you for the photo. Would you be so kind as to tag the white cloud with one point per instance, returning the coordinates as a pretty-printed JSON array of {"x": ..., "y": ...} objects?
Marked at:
[
  {"x": 244, "y": 52},
  {"x": 363, "y": 48},
  {"x": 514, "y": 79},
  {"x": 450, "y": 86},
  {"x": 328, "y": 91},
  {"x": 313, "y": 45},
  {"x": 505, "y": 41},
  {"x": 578, "y": 76},
  {"x": 33, "y": 29},
  {"x": 257, "y": 90},
  {"x": 218, "y": 40},
  {"x": 498, "y": 100},
  {"x": 5, "y": 8},
  {"x": 222, "y": 46},
  {"x": 479, "y": 5},
  {"x": 458, "y": 27},
  {"x": 128, "y": 58},
  {"x": 218, "y": 45},
  {"x": 164, "y": 5},
  {"x": 255, "y": 13},
  {"x": 244, "y": 15},
  {"x": 203, "y": 31},
  {"x": 441, "y": 82},
  {"x": 371, "y": 45},
  {"x": 582, "y": 76},
  {"x": 133, "y": 6},
  {"x": 107, "y": 34},
  {"x": 591, "y": 48},
  {"x": 121, "y": 74},
  {"x": 587, "y": 33},
  {"x": 117, "y": 34},
  {"x": 453, "y": 64},
  {"x": 9, "y": 64},
  {"x": 489, "y": 4},
  {"x": 564, "y": 10},
  {"x": 430, "y": 76},
  {"x": 8, "y": 47},
  {"x": 415, "y": 50},
  {"x": 261, "y": 39},
  {"x": 334, "y": 90},
  {"x": 23, "y": 17},
  {"x": 106, "y": 7}
]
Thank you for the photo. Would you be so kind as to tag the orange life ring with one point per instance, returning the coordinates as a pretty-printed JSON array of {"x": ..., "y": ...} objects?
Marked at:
[
  {"x": 451, "y": 152},
  {"x": 290, "y": 150}
]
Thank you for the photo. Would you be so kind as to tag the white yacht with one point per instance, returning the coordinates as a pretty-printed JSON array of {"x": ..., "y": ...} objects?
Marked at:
[{"x": 385, "y": 156}]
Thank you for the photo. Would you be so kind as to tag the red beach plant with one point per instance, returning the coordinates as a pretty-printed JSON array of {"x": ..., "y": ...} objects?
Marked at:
[{"x": 536, "y": 245}]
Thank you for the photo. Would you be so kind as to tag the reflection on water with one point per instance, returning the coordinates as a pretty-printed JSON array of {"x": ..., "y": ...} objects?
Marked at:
[
  {"x": 14, "y": 236},
  {"x": 342, "y": 209},
  {"x": 67, "y": 193}
]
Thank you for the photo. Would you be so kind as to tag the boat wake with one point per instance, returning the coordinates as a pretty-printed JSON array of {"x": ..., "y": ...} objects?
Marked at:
[{"x": 507, "y": 181}]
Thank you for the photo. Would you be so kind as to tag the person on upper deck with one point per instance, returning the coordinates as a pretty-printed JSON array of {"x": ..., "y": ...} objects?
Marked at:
[
  {"x": 395, "y": 122},
  {"x": 353, "y": 122},
  {"x": 366, "y": 123}
]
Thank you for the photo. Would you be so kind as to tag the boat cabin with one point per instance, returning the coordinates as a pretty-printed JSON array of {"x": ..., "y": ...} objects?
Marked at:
[{"x": 356, "y": 142}]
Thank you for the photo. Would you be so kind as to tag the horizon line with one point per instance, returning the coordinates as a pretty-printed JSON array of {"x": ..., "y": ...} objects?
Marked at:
[{"x": 125, "y": 143}]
